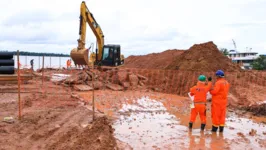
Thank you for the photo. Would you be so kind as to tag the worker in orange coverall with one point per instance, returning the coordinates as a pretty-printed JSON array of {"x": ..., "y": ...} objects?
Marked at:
[
  {"x": 68, "y": 63},
  {"x": 200, "y": 95},
  {"x": 219, "y": 101}
]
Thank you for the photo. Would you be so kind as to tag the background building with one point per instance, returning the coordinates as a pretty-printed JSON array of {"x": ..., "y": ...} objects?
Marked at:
[{"x": 244, "y": 59}]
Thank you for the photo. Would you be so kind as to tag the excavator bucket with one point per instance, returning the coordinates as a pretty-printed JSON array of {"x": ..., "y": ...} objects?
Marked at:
[{"x": 80, "y": 57}]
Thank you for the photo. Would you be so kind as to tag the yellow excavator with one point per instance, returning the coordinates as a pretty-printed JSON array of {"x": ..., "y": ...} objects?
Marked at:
[{"x": 106, "y": 55}]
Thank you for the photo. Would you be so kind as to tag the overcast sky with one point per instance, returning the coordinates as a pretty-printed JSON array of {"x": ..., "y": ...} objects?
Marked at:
[{"x": 139, "y": 26}]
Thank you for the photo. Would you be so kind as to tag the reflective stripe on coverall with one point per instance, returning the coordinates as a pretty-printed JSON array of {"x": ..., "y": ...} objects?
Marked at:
[
  {"x": 219, "y": 102},
  {"x": 200, "y": 95}
]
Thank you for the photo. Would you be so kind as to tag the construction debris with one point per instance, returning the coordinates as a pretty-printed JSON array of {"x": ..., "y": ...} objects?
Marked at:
[
  {"x": 114, "y": 87},
  {"x": 83, "y": 88},
  {"x": 9, "y": 120},
  {"x": 113, "y": 79},
  {"x": 39, "y": 75}
]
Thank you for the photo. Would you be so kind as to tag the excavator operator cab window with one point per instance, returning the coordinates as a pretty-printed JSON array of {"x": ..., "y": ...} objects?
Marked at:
[
  {"x": 108, "y": 53},
  {"x": 105, "y": 53},
  {"x": 111, "y": 55}
]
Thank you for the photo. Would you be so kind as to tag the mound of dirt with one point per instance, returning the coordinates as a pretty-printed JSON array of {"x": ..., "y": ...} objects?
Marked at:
[
  {"x": 203, "y": 57},
  {"x": 99, "y": 135},
  {"x": 154, "y": 60}
]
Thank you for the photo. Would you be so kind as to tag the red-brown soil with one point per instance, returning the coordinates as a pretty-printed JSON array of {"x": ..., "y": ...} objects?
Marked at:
[
  {"x": 154, "y": 60},
  {"x": 203, "y": 57},
  {"x": 199, "y": 57},
  {"x": 51, "y": 119},
  {"x": 247, "y": 88},
  {"x": 55, "y": 119}
]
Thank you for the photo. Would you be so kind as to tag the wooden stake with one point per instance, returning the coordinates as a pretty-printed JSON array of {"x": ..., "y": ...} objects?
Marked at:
[
  {"x": 18, "y": 76},
  {"x": 42, "y": 69},
  {"x": 93, "y": 102}
]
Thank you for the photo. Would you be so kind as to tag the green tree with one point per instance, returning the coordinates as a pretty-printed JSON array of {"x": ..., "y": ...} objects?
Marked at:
[
  {"x": 259, "y": 63},
  {"x": 224, "y": 51}
]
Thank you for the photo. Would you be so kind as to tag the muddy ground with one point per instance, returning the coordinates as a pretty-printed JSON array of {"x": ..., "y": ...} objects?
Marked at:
[
  {"x": 57, "y": 117},
  {"x": 151, "y": 120},
  {"x": 51, "y": 119}
]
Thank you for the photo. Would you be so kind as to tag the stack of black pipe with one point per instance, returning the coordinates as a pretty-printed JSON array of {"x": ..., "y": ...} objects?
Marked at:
[{"x": 6, "y": 63}]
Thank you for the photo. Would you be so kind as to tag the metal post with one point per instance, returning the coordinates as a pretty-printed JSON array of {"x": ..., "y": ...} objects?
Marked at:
[
  {"x": 18, "y": 77},
  {"x": 93, "y": 101},
  {"x": 59, "y": 62},
  {"x": 39, "y": 62},
  {"x": 50, "y": 61},
  {"x": 42, "y": 68},
  {"x": 26, "y": 59}
]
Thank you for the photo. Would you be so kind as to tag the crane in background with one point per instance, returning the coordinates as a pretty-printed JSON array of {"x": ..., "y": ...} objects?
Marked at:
[
  {"x": 234, "y": 44},
  {"x": 248, "y": 49}
]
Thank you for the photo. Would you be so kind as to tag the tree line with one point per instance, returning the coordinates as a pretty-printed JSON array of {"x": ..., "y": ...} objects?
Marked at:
[{"x": 24, "y": 53}]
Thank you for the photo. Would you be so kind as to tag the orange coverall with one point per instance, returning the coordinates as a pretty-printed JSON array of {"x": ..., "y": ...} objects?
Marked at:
[
  {"x": 68, "y": 63},
  {"x": 200, "y": 95},
  {"x": 219, "y": 102}
]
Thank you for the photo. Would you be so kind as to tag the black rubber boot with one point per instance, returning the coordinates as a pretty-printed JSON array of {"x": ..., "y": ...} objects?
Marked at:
[
  {"x": 214, "y": 129},
  {"x": 221, "y": 128},
  {"x": 202, "y": 127},
  {"x": 190, "y": 125}
]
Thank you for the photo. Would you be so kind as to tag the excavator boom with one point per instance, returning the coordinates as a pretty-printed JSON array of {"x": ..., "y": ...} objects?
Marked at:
[{"x": 80, "y": 54}]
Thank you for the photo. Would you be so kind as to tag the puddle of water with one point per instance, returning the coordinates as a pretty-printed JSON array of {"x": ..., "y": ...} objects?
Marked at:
[
  {"x": 147, "y": 124},
  {"x": 238, "y": 131}
]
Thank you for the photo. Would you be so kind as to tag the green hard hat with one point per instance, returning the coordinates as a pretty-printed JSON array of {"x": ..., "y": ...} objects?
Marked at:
[{"x": 202, "y": 78}]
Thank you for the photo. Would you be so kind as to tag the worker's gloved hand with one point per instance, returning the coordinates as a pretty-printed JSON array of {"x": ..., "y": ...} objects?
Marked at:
[{"x": 210, "y": 79}]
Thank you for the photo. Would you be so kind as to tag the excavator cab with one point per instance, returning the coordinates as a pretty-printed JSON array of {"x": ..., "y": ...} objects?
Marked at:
[{"x": 111, "y": 56}]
